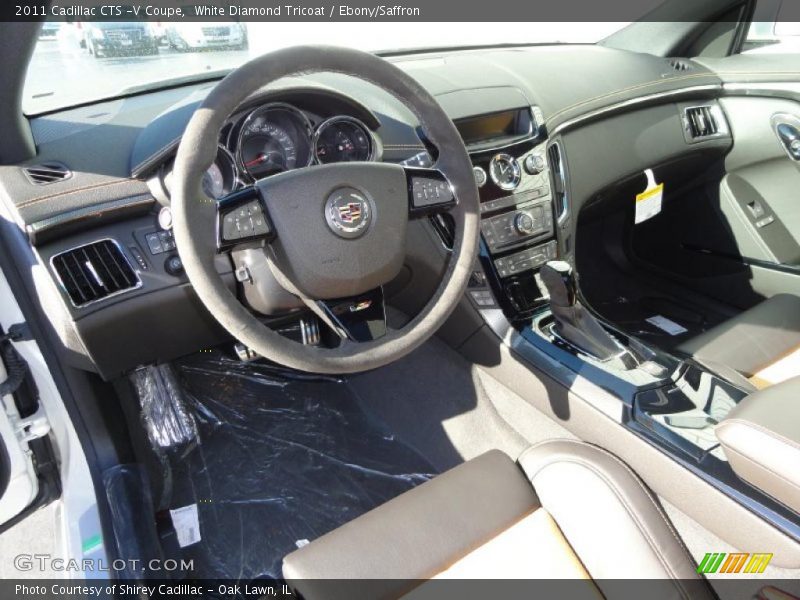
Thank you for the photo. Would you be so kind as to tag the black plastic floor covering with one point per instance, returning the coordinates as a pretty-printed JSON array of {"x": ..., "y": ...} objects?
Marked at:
[
  {"x": 277, "y": 461},
  {"x": 627, "y": 301}
]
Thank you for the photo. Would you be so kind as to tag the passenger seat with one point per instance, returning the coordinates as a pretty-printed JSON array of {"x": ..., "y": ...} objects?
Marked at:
[{"x": 761, "y": 344}]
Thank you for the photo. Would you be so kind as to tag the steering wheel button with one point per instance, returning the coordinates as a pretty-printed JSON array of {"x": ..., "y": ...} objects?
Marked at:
[
  {"x": 243, "y": 222},
  {"x": 430, "y": 192},
  {"x": 230, "y": 227}
]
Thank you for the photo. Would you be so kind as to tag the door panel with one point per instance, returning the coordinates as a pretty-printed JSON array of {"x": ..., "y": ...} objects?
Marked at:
[{"x": 760, "y": 193}]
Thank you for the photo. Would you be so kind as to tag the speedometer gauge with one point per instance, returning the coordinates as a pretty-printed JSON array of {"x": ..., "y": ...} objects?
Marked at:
[
  {"x": 273, "y": 139},
  {"x": 342, "y": 139}
]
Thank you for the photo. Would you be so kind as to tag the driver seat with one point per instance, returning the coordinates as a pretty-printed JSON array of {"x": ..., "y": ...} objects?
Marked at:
[{"x": 572, "y": 511}]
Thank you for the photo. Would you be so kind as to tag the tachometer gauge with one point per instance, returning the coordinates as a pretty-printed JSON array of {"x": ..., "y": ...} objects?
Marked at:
[
  {"x": 342, "y": 139},
  {"x": 273, "y": 139}
]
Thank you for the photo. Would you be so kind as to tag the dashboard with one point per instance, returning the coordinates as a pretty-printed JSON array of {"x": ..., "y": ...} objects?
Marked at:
[
  {"x": 274, "y": 137},
  {"x": 553, "y": 133},
  {"x": 527, "y": 137}
]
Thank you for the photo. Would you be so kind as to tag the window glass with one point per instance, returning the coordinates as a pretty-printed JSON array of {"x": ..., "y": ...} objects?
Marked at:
[{"x": 775, "y": 28}]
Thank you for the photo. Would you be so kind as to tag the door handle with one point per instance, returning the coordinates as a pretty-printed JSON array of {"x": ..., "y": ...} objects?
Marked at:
[
  {"x": 787, "y": 128},
  {"x": 790, "y": 136}
]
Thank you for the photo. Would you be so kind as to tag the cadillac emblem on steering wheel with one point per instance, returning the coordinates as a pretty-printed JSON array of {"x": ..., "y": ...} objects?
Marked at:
[{"x": 348, "y": 212}]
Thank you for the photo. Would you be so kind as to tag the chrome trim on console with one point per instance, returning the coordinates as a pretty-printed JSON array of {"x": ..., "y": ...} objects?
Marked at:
[{"x": 558, "y": 171}]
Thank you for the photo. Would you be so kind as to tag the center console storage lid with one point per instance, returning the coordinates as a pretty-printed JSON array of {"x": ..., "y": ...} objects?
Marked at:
[{"x": 761, "y": 438}]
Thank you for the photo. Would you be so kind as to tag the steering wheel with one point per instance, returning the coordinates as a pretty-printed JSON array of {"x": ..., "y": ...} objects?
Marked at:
[{"x": 331, "y": 234}]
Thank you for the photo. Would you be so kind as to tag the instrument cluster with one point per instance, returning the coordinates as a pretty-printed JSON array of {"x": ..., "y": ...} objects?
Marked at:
[{"x": 277, "y": 137}]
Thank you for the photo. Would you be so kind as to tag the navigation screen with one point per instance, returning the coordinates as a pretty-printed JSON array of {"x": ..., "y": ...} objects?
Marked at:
[{"x": 488, "y": 127}]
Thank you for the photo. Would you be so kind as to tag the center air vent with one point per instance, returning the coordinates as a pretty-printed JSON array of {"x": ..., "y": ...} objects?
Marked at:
[
  {"x": 49, "y": 172},
  {"x": 95, "y": 271},
  {"x": 701, "y": 121}
]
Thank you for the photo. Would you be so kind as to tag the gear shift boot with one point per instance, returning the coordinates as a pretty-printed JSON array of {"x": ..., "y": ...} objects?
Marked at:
[{"x": 573, "y": 323}]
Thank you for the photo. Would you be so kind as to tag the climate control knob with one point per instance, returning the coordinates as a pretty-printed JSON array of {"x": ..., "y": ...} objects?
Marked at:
[
  {"x": 533, "y": 164},
  {"x": 524, "y": 224}
]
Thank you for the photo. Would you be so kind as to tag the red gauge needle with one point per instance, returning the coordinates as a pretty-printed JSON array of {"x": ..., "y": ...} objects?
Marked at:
[{"x": 257, "y": 160}]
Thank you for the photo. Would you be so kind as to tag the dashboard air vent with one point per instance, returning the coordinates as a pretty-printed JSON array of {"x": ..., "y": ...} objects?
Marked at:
[
  {"x": 559, "y": 182},
  {"x": 95, "y": 271},
  {"x": 701, "y": 121},
  {"x": 445, "y": 227},
  {"x": 679, "y": 64},
  {"x": 49, "y": 172}
]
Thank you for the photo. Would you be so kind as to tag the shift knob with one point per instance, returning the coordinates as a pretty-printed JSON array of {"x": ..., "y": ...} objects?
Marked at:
[{"x": 559, "y": 279}]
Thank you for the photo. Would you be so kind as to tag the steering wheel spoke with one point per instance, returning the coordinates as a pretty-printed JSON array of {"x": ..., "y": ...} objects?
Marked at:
[
  {"x": 429, "y": 191},
  {"x": 242, "y": 218},
  {"x": 360, "y": 318}
]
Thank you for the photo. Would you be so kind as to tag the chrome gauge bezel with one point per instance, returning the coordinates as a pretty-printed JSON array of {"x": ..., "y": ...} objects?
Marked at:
[
  {"x": 230, "y": 165},
  {"x": 309, "y": 129},
  {"x": 516, "y": 171},
  {"x": 373, "y": 146},
  {"x": 224, "y": 160}
]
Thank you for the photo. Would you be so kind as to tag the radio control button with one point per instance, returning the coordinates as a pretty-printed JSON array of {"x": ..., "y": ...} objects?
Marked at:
[{"x": 524, "y": 224}]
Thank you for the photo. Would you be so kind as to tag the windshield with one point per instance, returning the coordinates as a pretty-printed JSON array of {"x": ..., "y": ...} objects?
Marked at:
[{"x": 74, "y": 63}]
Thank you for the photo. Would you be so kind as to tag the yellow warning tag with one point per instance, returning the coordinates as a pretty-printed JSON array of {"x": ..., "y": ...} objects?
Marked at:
[
  {"x": 648, "y": 203},
  {"x": 659, "y": 189}
]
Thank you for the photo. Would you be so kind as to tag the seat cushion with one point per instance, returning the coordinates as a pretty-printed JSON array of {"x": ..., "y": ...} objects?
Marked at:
[
  {"x": 483, "y": 520},
  {"x": 605, "y": 510},
  {"x": 420, "y": 533},
  {"x": 531, "y": 548},
  {"x": 761, "y": 439},
  {"x": 755, "y": 341}
]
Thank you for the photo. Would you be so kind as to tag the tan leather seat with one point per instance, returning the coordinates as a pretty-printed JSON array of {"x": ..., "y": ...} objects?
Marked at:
[
  {"x": 580, "y": 513},
  {"x": 761, "y": 439},
  {"x": 761, "y": 344}
]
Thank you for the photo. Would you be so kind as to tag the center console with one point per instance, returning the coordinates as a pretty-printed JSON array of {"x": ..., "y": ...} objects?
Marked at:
[
  {"x": 508, "y": 152},
  {"x": 709, "y": 425}
]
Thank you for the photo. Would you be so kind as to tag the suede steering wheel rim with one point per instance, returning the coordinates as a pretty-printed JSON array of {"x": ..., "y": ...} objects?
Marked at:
[{"x": 196, "y": 225}]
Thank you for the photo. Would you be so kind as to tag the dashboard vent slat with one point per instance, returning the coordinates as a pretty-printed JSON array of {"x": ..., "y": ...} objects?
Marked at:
[
  {"x": 679, "y": 64},
  {"x": 93, "y": 272},
  {"x": 45, "y": 173},
  {"x": 701, "y": 122}
]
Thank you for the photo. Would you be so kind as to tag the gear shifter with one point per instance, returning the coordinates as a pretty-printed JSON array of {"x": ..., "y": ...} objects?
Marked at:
[{"x": 573, "y": 323}]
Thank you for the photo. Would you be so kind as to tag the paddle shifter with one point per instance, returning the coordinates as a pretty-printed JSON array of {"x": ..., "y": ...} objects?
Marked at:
[{"x": 573, "y": 323}]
